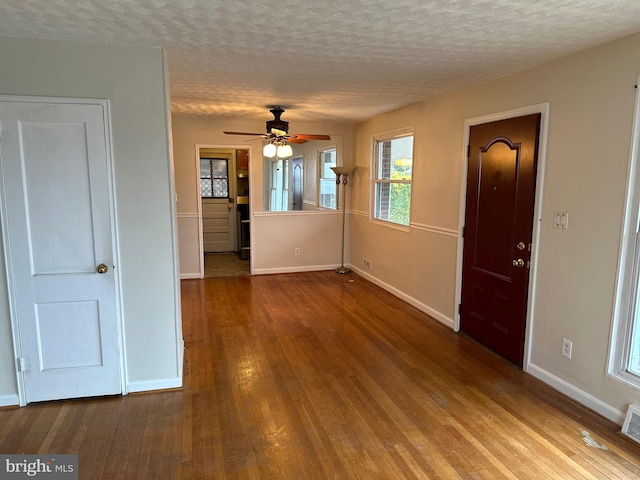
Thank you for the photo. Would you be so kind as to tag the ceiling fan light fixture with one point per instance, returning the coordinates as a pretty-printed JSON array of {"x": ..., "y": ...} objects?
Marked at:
[
  {"x": 269, "y": 150},
  {"x": 284, "y": 150}
]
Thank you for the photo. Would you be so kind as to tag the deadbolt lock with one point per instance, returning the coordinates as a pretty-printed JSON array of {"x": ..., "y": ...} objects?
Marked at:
[
  {"x": 521, "y": 246},
  {"x": 102, "y": 268},
  {"x": 518, "y": 263}
]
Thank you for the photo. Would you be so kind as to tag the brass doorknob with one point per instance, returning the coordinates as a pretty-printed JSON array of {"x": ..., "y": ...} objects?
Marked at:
[
  {"x": 102, "y": 268},
  {"x": 518, "y": 263}
]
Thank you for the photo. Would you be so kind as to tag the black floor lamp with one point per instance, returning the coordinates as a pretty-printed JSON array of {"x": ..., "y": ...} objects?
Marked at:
[{"x": 343, "y": 172}]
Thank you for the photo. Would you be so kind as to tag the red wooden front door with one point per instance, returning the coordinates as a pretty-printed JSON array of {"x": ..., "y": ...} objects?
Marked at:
[{"x": 497, "y": 234}]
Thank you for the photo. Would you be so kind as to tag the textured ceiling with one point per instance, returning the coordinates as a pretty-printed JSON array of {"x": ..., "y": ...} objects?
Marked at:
[{"x": 338, "y": 59}]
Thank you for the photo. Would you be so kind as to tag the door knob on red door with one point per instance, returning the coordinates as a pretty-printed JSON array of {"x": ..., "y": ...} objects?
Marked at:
[{"x": 518, "y": 263}]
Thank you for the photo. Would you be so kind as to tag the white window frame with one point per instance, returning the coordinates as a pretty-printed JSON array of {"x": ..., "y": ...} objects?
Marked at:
[
  {"x": 376, "y": 140},
  {"x": 627, "y": 296},
  {"x": 331, "y": 178}
]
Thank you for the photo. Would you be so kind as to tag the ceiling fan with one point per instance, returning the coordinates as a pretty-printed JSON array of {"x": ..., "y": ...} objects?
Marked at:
[{"x": 278, "y": 131}]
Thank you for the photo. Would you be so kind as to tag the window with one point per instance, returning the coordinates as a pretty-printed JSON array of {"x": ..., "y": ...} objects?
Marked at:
[
  {"x": 624, "y": 362},
  {"x": 214, "y": 178},
  {"x": 626, "y": 349},
  {"x": 392, "y": 172},
  {"x": 279, "y": 198},
  {"x": 327, "y": 179}
]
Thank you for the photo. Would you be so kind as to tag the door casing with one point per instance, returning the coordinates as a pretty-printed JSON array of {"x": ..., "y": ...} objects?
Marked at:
[
  {"x": 106, "y": 104},
  {"x": 543, "y": 109},
  {"x": 229, "y": 148}
]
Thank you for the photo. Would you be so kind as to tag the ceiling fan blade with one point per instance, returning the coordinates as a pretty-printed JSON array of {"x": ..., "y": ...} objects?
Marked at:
[
  {"x": 308, "y": 136},
  {"x": 296, "y": 140},
  {"x": 243, "y": 133}
]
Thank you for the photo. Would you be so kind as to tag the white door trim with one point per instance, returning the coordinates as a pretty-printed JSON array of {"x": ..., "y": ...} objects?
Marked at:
[
  {"x": 543, "y": 109},
  {"x": 106, "y": 108},
  {"x": 229, "y": 147}
]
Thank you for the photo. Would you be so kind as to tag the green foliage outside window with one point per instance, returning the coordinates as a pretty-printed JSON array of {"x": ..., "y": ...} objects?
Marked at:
[{"x": 400, "y": 204}]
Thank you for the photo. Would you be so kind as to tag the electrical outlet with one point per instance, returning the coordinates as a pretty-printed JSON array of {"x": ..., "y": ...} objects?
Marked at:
[
  {"x": 567, "y": 347},
  {"x": 296, "y": 251},
  {"x": 366, "y": 263}
]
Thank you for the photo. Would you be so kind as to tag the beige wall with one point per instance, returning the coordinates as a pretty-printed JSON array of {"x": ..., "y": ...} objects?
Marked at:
[
  {"x": 133, "y": 80},
  {"x": 591, "y": 98},
  {"x": 274, "y": 235}
]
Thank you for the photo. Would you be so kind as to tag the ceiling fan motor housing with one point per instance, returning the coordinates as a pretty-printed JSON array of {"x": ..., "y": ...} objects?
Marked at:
[{"x": 276, "y": 122}]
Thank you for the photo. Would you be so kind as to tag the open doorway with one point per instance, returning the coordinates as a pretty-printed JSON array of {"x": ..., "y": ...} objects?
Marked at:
[{"x": 225, "y": 225}]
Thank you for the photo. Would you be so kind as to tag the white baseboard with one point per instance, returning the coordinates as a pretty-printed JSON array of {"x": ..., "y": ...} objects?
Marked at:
[
  {"x": 190, "y": 276},
  {"x": 576, "y": 394},
  {"x": 150, "y": 385},
  {"x": 442, "y": 318},
  {"x": 306, "y": 268},
  {"x": 8, "y": 400}
]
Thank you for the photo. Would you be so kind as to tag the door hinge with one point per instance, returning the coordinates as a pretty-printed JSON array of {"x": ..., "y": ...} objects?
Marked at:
[
  {"x": 21, "y": 364},
  {"x": 468, "y": 151}
]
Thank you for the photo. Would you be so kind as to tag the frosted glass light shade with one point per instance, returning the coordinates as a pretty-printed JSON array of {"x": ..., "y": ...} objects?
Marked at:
[
  {"x": 284, "y": 151},
  {"x": 269, "y": 150}
]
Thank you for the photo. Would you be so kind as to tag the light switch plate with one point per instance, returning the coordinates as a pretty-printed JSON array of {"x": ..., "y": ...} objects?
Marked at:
[{"x": 561, "y": 220}]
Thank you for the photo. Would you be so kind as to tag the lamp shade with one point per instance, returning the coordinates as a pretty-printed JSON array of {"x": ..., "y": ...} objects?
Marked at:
[
  {"x": 269, "y": 150},
  {"x": 284, "y": 151},
  {"x": 342, "y": 170}
]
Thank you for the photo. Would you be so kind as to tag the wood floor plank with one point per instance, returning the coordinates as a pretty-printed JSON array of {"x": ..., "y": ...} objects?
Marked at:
[{"x": 324, "y": 376}]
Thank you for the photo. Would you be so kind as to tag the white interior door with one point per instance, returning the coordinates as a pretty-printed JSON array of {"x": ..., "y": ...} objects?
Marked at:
[{"x": 57, "y": 232}]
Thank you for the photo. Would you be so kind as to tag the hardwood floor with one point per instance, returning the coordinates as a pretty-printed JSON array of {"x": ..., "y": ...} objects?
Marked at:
[{"x": 318, "y": 375}]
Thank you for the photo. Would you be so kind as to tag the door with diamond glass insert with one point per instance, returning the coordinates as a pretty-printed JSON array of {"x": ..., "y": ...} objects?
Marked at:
[{"x": 218, "y": 232}]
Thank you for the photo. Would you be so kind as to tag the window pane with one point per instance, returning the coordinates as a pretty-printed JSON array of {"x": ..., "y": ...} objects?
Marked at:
[
  {"x": 383, "y": 199},
  {"x": 393, "y": 201},
  {"x": 400, "y": 203},
  {"x": 220, "y": 188},
  {"x": 219, "y": 168},
  {"x": 276, "y": 186},
  {"x": 393, "y": 165},
  {"x": 327, "y": 181},
  {"x": 633, "y": 365},
  {"x": 395, "y": 159},
  {"x": 205, "y": 168},
  {"x": 327, "y": 160},
  {"x": 205, "y": 187},
  {"x": 214, "y": 178},
  {"x": 328, "y": 193}
]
